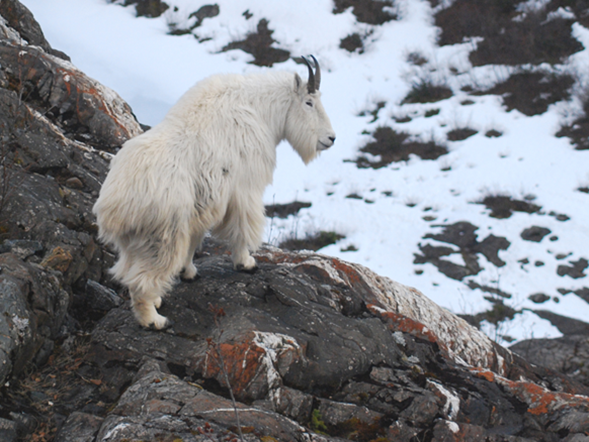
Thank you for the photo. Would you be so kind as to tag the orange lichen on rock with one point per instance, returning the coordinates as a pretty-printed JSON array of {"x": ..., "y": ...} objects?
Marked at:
[
  {"x": 487, "y": 374},
  {"x": 350, "y": 273},
  {"x": 540, "y": 400},
  {"x": 398, "y": 322},
  {"x": 240, "y": 360}
]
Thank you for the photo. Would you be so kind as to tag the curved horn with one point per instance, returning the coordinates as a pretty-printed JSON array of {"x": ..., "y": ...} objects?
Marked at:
[
  {"x": 311, "y": 83},
  {"x": 317, "y": 73}
]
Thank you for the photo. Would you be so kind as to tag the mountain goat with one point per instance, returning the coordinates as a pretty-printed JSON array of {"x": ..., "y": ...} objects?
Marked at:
[{"x": 204, "y": 168}]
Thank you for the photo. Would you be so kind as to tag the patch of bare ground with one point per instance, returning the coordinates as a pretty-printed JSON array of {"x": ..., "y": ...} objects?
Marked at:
[
  {"x": 461, "y": 133},
  {"x": 502, "y": 207},
  {"x": 285, "y": 210},
  {"x": 259, "y": 44},
  {"x": 462, "y": 235},
  {"x": 532, "y": 92},
  {"x": 578, "y": 130},
  {"x": 510, "y": 37},
  {"x": 426, "y": 91},
  {"x": 493, "y": 133},
  {"x": 312, "y": 241},
  {"x": 374, "y": 112},
  {"x": 372, "y": 12},
  {"x": 392, "y": 146},
  {"x": 145, "y": 8},
  {"x": 206, "y": 11},
  {"x": 352, "y": 43}
]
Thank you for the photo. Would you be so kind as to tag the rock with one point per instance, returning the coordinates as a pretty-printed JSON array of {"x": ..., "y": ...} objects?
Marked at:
[
  {"x": 20, "y": 19},
  {"x": 74, "y": 183},
  {"x": 32, "y": 310},
  {"x": 160, "y": 403},
  {"x": 448, "y": 431},
  {"x": 7, "y": 430},
  {"x": 21, "y": 247},
  {"x": 567, "y": 355},
  {"x": 79, "y": 106},
  {"x": 57, "y": 123},
  {"x": 345, "y": 348},
  {"x": 79, "y": 427},
  {"x": 101, "y": 298}
]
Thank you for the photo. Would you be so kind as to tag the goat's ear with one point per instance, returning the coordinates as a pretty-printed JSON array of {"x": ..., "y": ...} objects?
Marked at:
[{"x": 299, "y": 87}]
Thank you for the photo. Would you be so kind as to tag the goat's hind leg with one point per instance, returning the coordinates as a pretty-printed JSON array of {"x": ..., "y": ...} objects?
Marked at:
[
  {"x": 145, "y": 301},
  {"x": 190, "y": 272},
  {"x": 148, "y": 280}
]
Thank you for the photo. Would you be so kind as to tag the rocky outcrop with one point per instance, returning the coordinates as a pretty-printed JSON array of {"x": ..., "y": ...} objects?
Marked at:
[
  {"x": 307, "y": 348},
  {"x": 313, "y": 343},
  {"x": 49, "y": 180}
]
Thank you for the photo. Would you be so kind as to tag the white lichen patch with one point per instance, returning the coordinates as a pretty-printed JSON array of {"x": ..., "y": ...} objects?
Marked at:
[
  {"x": 452, "y": 404},
  {"x": 21, "y": 326},
  {"x": 274, "y": 345}
]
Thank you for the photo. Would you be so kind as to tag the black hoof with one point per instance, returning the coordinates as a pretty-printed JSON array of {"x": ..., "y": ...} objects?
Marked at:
[
  {"x": 167, "y": 326},
  {"x": 241, "y": 268},
  {"x": 196, "y": 278}
]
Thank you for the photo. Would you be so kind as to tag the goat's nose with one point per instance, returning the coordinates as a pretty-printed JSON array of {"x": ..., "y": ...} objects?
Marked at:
[{"x": 332, "y": 139}]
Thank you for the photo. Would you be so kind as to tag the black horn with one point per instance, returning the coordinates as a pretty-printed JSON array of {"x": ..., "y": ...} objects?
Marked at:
[{"x": 314, "y": 78}]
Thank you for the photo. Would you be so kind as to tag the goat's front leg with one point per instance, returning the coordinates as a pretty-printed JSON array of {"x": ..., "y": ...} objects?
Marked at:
[{"x": 242, "y": 260}]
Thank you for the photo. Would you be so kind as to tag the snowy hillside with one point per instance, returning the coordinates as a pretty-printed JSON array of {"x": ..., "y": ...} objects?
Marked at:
[{"x": 447, "y": 173}]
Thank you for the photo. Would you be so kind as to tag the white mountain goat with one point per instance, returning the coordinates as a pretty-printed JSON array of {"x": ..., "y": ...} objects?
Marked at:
[{"x": 204, "y": 168}]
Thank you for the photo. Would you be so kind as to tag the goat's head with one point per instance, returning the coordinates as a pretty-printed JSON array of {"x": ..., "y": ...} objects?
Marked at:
[{"x": 308, "y": 128}]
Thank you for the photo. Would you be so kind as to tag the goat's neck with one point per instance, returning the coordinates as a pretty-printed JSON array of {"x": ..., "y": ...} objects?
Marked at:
[{"x": 274, "y": 104}]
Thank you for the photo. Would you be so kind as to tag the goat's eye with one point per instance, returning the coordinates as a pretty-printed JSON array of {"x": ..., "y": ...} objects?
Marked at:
[{"x": 309, "y": 103}]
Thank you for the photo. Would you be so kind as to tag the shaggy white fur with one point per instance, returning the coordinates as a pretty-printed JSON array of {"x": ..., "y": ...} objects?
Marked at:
[{"x": 203, "y": 168}]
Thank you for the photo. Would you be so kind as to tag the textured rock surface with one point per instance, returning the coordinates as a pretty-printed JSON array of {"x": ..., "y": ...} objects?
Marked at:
[
  {"x": 49, "y": 182},
  {"x": 311, "y": 347},
  {"x": 311, "y": 342}
]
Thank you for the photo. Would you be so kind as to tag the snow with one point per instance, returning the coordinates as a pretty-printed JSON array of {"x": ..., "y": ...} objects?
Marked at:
[{"x": 151, "y": 69}]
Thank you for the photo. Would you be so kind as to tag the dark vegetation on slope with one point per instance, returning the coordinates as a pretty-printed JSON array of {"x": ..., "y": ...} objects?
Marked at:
[
  {"x": 146, "y": 8},
  {"x": 461, "y": 235},
  {"x": 206, "y": 11},
  {"x": 425, "y": 91},
  {"x": 461, "y": 133},
  {"x": 533, "y": 38},
  {"x": 311, "y": 241},
  {"x": 578, "y": 131},
  {"x": 391, "y": 146},
  {"x": 375, "y": 12},
  {"x": 532, "y": 92},
  {"x": 502, "y": 206},
  {"x": 260, "y": 45},
  {"x": 284, "y": 210}
]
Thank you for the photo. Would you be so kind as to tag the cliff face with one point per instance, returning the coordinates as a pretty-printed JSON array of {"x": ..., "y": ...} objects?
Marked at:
[{"x": 310, "y": 347}]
